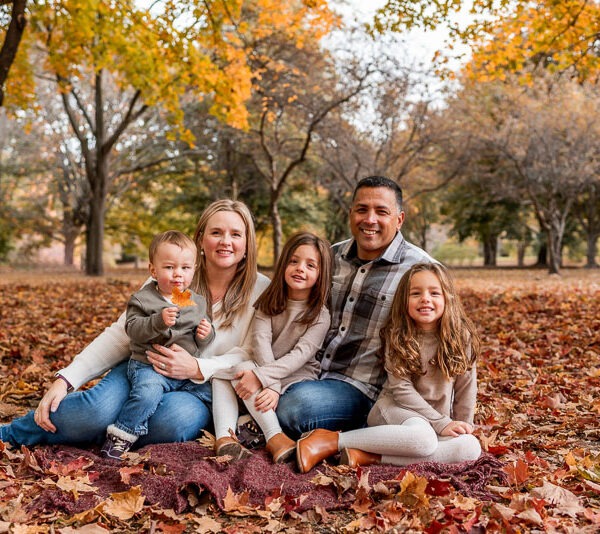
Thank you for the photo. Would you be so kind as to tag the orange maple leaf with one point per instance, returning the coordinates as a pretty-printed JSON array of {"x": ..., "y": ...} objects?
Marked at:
[
  {"x": 182, "y": 298},
  {"x": 518, "y": 472}
]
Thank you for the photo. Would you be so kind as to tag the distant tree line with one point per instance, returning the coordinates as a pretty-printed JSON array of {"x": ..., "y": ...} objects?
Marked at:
[{"x": 134, "y": 123}]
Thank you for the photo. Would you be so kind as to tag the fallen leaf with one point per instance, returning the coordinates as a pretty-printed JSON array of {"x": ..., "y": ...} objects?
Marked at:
[
  {"x": 126, "y": 504},
  {"x": 564, "y": 501},
  {"x": 126, "y": 472},
  {"x": 238, "y": 504},
  {"x": 74, "y": 485}
]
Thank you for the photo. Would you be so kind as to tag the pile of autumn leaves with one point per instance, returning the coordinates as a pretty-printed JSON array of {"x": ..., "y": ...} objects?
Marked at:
[{"x": 538, "y": 412}]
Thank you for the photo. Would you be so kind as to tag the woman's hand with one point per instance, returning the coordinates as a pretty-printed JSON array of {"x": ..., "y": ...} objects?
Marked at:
[
  {"x": 266, "y": 400},
  {"x": 174, "y": 362},
  {"x": 456, "y": 428},
  {"x": 49, "y": 403},
  {"x": 247, "y": 385}
]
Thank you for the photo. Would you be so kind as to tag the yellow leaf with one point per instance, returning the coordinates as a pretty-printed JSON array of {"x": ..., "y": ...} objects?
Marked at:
[
  {"x": 125, "y": 505},
  {"x": 412, "y": 490},
  {"x": 74, "y": 485}
]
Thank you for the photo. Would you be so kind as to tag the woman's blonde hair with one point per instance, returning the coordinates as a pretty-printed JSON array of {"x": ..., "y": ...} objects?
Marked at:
[
  {"x": 458, "y": 339},
  {"x": 237, "y": 297},
  {"x": 273, "y": 300}
]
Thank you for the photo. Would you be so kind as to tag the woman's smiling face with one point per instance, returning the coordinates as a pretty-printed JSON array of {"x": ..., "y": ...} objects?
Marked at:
[{"x": 224, "y": 240}]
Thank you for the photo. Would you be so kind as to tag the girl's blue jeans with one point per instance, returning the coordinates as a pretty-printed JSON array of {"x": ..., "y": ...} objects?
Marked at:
[{"x": 82, "y": 416}]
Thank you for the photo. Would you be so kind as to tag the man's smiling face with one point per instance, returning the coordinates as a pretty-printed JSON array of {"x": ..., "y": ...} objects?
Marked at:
[{"x": 374, "y": 220}]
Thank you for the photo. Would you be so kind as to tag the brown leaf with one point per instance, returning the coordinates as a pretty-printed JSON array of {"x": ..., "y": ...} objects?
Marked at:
[
  {"x": 531, "y": 516},
  {"x": 126, "y": 472},
  {"x": 565, "y": 501},
  {"x": 238, "y": 504},
  {"x": 206, "y": 524},
  {"x": 74, "y": 485}
]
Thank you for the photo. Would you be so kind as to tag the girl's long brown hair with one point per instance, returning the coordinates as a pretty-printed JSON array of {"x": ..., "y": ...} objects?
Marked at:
[
  {"x": 237, "y": 297},
  {"x": 459, "y": 343},
  {"x": 273, "y": 300}
]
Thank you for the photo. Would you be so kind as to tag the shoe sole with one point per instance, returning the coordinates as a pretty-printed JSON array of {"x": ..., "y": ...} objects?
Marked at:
[
  {"x": 285, "y": 455},
  {"x": 235, "y": 450},
  {"x": 345, "y": 458}
]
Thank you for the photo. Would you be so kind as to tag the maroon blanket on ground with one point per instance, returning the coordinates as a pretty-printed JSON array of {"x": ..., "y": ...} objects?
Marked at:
[{"x": 174, "y": 470}]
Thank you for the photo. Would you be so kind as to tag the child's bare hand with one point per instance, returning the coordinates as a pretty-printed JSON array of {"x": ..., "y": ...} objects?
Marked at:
[
  {"x": 247, "y": 385},
  {"x": 203, "y": 329},
  {"x": 456, "y": 428},
  {"x": 169, "y": 315},
  {"x": 266, "y": 400}
]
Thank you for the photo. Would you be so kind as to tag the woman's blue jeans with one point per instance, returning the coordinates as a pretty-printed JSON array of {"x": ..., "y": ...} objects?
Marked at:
[
  {"x": 82, "y": 416},
  {"x": 329, "y": 404}
]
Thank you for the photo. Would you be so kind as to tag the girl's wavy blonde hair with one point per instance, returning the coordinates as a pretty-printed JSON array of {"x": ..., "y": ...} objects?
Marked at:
[
  {"x": 459, "y": 342},
  {"x": 237, "y": 297}
]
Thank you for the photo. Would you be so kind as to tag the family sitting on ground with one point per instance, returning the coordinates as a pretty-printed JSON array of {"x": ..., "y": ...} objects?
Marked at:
[{"x": 361, "y": 348}]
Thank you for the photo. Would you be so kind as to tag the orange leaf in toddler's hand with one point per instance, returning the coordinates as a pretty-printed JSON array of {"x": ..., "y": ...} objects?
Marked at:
[{"x": 182, "y": 298}]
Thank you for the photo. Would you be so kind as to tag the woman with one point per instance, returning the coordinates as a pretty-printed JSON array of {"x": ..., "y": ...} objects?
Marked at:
[{"x": 227, "y": 277}]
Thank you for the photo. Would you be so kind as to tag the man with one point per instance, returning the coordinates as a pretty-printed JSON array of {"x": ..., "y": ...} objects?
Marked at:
[{"x": 367, "y": 269}]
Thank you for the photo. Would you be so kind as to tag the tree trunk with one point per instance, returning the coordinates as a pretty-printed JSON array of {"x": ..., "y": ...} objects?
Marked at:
[
  {"x": 542, "y": 256},
  {"x": 521, "y": 248},
  {"x": 70, "y": 234},
  {"x": 490, "y": 251},
  {"x": 277, "y": 226},
  {"x": 97, "y": 170},
  {"x": 554, "y": 252},
  {"x": 423, "y": 240},
  {"x": 12, "y": 40},
  {"x": 592, "y": 251},
  {"x": 95, "y": 244}
]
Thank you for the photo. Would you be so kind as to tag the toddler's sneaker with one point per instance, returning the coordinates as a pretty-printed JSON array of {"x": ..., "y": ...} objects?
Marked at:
[
  {"x": 249, "y": 433},
  {"x": 117, "y": 443}
]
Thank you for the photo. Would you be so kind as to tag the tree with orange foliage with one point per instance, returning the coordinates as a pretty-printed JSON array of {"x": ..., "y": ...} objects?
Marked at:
[
  {"x": 508, "y": 35},
  {"x": 15, "y": 26},
  {"x": 112, "y": 62}
]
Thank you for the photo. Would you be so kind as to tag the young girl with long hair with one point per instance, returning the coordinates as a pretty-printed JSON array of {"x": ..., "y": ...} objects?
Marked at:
[
  {"x": 290, "y": 322},
  {"x": 426, "y": 408}
]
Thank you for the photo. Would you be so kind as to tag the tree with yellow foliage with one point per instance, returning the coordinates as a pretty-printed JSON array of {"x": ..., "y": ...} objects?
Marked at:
[
  {"x": 509, "y": 35},
  {"x": 113, "y": 61},
  {"x": 13, "y": 26}
]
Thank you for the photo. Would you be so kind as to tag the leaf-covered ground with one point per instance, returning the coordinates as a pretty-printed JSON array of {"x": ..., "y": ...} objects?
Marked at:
[{"x": 538, "y": 413}]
